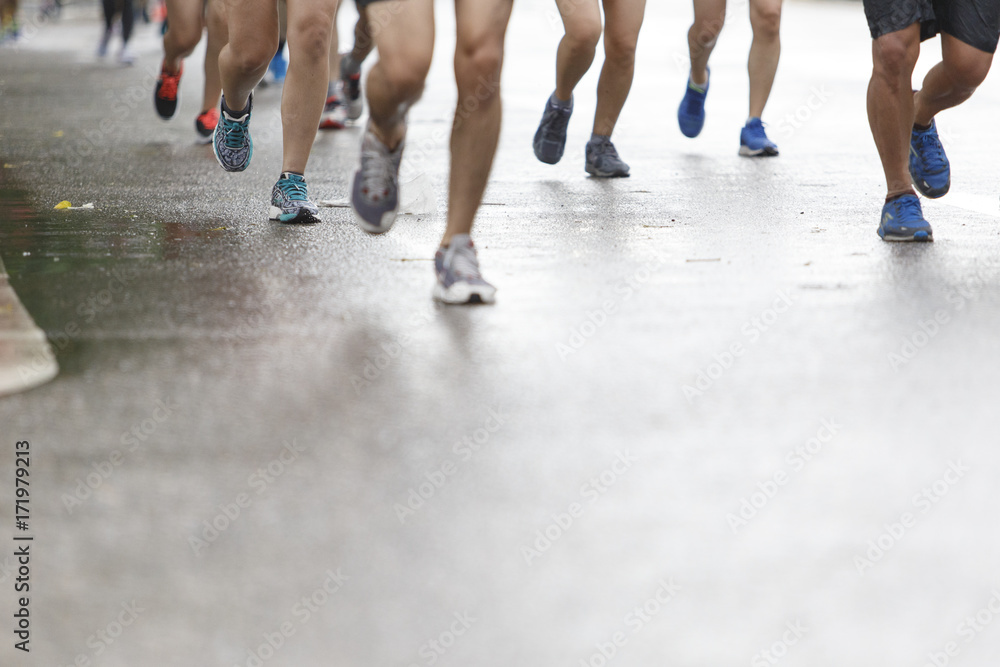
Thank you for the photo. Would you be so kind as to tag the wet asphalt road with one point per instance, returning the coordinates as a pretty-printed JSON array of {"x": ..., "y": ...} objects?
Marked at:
[{"x": 711, "y": 416}]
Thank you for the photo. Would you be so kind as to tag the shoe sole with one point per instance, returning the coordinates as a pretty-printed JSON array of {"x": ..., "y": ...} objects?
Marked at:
[
  {"x": 746, "y": 151},
  {"x": 916, "y": 237},
  {"x": 329, "y": 124},
  {"x": 461, "y": 294},
  {"x": 388, "y": 219},
  {"x": 930, "y": 193},
  {"x": 606, "y": 174},
  {"x": 303, "y": 217}
]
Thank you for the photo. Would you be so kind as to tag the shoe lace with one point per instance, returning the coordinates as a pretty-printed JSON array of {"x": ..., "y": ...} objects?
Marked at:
[
  {"x": 465, "y": 264},
  {"x": 377, "y": 170},
  {"x": 294, "y": 190},
  {"x": 606, "y": 148},
  {"x": 168, "y": 89},
  {"x": 931, "y": 152},
  {"x": 556, "y": 127},
  {"x": 236, "y": 133},
  {"x": 908, "y": 208}
]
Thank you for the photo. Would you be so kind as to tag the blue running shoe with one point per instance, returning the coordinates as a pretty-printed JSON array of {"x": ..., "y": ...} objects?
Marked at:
[
  {"x": 929, "y": 168},
  {"x": 691, "y": 113},
  {"x": 603, "y": 160},
  {"x": 754, "y": 141},
  {"x": 903, "y": 220},
  {"x": 458, "y": 277},
  {"x": 550, "y": 139},
  {"x": 375, "y": 192},
  {"x": 231, "y": 142},
  {"x": 290, "y": 201}
]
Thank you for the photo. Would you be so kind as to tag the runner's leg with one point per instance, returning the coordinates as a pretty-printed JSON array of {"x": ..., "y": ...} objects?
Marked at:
[
  {"x": 709, "y": 17},
  {"x": 765, "y": 18},
  {"x": 582, "y": 22},
  {"x": 890, "y": 103},
  {"x": 952, "y": 81},
  {"x": 623, "y": 18}
]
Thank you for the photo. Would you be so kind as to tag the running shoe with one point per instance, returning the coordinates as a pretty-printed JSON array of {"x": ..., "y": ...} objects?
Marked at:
[
  {"x": 290, "y": 201},
  {"x": 351, "y": 86},
  {"x": 375, "y": 192},
  {"x": 603, "y": 160},
  {"x": 550, "y": 139},
  {"x": 231, "y": 141},
  {"x": 165, "y": 96},
  {"x": 334, "y": 113},
  {"x": 754, "y": 141},
  {"x": 458, "y": 277},
  {"x": 205, "y": 124},
  {"x": 903, "y": 220},
  {"x": 929, "y": 168},
  {"x": 691, "y": 112},
  {"x": 102, "y": 46},
  {"x": 126, "y": 56}
]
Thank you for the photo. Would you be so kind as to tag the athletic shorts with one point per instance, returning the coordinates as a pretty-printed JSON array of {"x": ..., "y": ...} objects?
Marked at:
[
  {"x": 975, "y": 22},
  {"x": 363, "y": 3}
]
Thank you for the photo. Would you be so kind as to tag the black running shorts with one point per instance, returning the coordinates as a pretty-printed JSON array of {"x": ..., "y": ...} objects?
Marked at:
[{"x": 975, "y": 22}]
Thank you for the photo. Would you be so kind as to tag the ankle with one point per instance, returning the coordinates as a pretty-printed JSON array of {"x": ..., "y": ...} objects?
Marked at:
[{"x": 892, "y": 196}]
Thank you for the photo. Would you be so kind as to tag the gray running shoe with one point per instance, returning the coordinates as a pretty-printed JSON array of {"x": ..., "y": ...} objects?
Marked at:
[
  {"x": 375, "y": 193},
  {"x": 458, "y": 277},
  {"x": 550, "y": 139},
  {"x": 290, "y": 201},
  {"x": 351, "y": 78},
  {"x": 231, "y": 144},
  {"x": 603, "y": 160}
]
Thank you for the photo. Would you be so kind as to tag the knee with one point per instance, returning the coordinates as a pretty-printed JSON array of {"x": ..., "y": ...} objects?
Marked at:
[
  {"x": 968, "y": 73},
  {"x": 309, "y": 38},
  {"x": 895, "y": 55},
  {"x": 185, "y": 35},
  {"x": 620, "y": 50},
  {"x": 582, "y": 34},
  {"x": 252, "y": 57},
  {"x": 766, "y": 21},
  {"x": 477, "y": 69},
  {"x": 406, "y": 73},
  {"x": 704, "y": 32}
]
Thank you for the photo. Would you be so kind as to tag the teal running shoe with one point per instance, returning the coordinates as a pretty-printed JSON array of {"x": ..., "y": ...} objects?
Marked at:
[{"x": 290, "y": 201}]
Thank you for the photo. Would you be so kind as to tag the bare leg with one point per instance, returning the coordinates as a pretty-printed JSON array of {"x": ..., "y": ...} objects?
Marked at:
[
  {"x": 890, "y": 103},
  {"x": 309, "y": 28},
  {"x": 334, "y": 73},
  {"x": 363, "y": 42},
  {"x": 709, "y": 17},
  {"x": 218, "y": 35},
  {"x": 405, "y": 44},
  {"x": 624, "y": 18},
  {"x": 765, "y": 18},
  {"x": 482, "y": 27},
  {"x": 253, "y": 39},
  {"x": 183, "y": 31},
  {"x": 582, "y": 21},
  {"x": 951, "y": 81}
]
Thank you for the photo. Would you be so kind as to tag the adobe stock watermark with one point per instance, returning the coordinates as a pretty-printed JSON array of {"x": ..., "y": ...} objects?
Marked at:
[
  {"x": 752, "y": 331},
  {"x": 229, "y": 512},
  {"x": 634, "y": 621},
  {"x": 924, "y": 501},
  {"x": 796, "y": 458},
  {"x": 103, "y": 638},
  {"x": 435, "y": 648},
  {"x": 968, "y": 629},
  {"x": 596, "y": 319},
  {"x": 374, "y": 365},
  {"x": 795, "y": 120},
  {"x": 591, "y": 491},
  {"x": 773, "y": 654},
  {"x": 130, "y": 440},
  {"x": 464, "y": 449},
  {"x": 959, "y": 297},
  {"x": 302, "y": 611}
]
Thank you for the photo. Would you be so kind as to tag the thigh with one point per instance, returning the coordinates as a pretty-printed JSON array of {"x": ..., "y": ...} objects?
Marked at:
[
  {"x": 623, "y": 19},
  {"x": 481, "y": 22},
  {"x": 579, "y": 15},
  {"x": 403, "y": 30}
]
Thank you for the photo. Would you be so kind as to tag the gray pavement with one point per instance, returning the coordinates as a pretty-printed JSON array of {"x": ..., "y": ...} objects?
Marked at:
[{"x": 712, "y": 419}]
